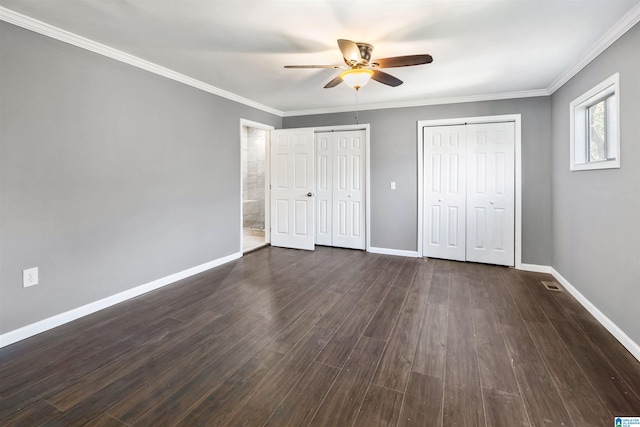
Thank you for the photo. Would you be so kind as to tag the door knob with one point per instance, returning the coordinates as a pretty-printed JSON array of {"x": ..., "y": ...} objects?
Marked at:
[
  {"x": 491, "y": 202},
  {"x": 309, "y": 194},
  {"x": 440, "y": 200}
]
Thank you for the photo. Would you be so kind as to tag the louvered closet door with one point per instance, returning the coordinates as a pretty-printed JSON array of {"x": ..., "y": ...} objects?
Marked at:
[
  {"x": 491, "y": 193},
  {"x": 445, "y": 192},
  {"x": 340, "y": 161}
]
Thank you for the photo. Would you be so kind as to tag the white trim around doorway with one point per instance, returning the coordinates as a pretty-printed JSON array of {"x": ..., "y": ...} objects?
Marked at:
[{"x": 517, "y": 120}]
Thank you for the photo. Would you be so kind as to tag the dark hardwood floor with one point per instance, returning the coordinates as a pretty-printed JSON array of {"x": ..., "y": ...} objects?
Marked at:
[{"x": 328, "y": 338}]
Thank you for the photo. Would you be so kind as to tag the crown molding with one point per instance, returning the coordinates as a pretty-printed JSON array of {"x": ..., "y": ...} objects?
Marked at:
[
  {"x": 43, "y": 28},
  {"x": 630, "y": 19},
  {"x": 423, "y": 102}
]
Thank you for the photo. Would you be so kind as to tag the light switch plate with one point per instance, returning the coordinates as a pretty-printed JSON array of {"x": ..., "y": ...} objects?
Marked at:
[
  {"x": 393, "y": 185},
  {"x": 29, "y": 277}
]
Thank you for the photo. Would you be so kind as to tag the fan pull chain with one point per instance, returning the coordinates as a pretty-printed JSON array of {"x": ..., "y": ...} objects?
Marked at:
[{"x": 357, "y": 122}]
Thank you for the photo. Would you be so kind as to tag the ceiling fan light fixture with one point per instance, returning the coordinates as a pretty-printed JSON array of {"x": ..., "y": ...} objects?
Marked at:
[
  {"x": 356, "y": 77},
  {"x": 357, "y": 56}
]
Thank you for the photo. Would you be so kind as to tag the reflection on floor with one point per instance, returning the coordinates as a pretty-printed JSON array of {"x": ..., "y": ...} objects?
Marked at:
[{"x": 252, "y": 239}]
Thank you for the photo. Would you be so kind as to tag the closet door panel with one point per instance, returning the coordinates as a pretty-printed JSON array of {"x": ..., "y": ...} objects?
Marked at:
[
  {"x": 324, "y": 189},
  {"x": 445, "y": 190},
  {"x": 348, "y": 190},
  {"x": 491, "y": 195}
]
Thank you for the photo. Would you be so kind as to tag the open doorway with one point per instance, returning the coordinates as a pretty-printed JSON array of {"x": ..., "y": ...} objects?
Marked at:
[{"x": 254, "y": 142}]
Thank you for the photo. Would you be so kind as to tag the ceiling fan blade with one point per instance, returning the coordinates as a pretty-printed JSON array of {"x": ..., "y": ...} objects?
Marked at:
[
  {"x": 333, "y": 83},
  {"x": 403, "y": 61},
  {"x": 313, "y": 66},
  {"x": 350, "y": 51},
  {"x": 384, "y": 78}
]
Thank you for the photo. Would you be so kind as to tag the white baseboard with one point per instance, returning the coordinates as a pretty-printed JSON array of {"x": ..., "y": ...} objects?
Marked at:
[
  {"x": 535, "y": 268},
  {"x": 396, "y": 252},
  {"x": 618, "y": 333},
  {"x": 68, "y": 316}
]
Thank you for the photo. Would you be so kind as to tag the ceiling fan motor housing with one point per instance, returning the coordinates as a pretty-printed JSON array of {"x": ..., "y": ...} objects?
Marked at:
[{"x": 365, "y": 52}]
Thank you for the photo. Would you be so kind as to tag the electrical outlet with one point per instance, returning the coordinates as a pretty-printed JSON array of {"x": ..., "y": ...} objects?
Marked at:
[{"x": 29, "y": 277}]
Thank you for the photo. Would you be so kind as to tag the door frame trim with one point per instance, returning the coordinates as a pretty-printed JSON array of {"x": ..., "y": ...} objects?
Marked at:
[
  {"x": 367, "y": 174},
  {"x": 517, "y": 120},
  {"x": 267, "y": 177}
]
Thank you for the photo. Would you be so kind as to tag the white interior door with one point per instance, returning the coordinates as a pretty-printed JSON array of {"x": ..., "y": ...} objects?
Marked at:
[
  {"x": 491, "y": 193},
  {"x": 292, "y": 186},
  {"x": 340, "y": 163},
  {"x": 445, "y": 192}
]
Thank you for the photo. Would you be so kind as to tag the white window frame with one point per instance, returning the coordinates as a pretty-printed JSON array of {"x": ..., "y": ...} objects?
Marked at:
[{"x": 579, "y": 134}]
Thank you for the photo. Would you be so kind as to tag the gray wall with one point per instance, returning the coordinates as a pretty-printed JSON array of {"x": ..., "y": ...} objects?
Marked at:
[
  {"x": 596, "y": 214},
  {"x": 110, "y": 176},
  {"x": 394, "y": 142}
]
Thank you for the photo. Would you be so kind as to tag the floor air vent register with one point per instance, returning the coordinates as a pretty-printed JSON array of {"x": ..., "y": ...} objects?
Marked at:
[{"x": 551, "y": 286}]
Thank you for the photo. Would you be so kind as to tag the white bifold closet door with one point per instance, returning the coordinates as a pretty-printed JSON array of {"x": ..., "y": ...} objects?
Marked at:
[
  {"x": 445, "y": 152},
  {"x": 340, "y": 178},
  {"x": 469, "y": 185}
]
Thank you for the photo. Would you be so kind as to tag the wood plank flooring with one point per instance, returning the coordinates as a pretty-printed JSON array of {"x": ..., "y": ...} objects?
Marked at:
[{"x": 328, "y": 338}]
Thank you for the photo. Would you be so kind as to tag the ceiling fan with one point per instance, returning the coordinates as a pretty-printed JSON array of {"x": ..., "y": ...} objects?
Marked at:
[{"x": 360, "y": 68}]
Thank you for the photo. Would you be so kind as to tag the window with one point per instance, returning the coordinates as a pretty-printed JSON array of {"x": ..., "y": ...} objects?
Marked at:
[{"x": 595, "y": 125}]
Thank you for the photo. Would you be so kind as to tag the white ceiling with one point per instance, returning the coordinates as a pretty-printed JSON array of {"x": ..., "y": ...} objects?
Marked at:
[{"x": 481, "y": 48}]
